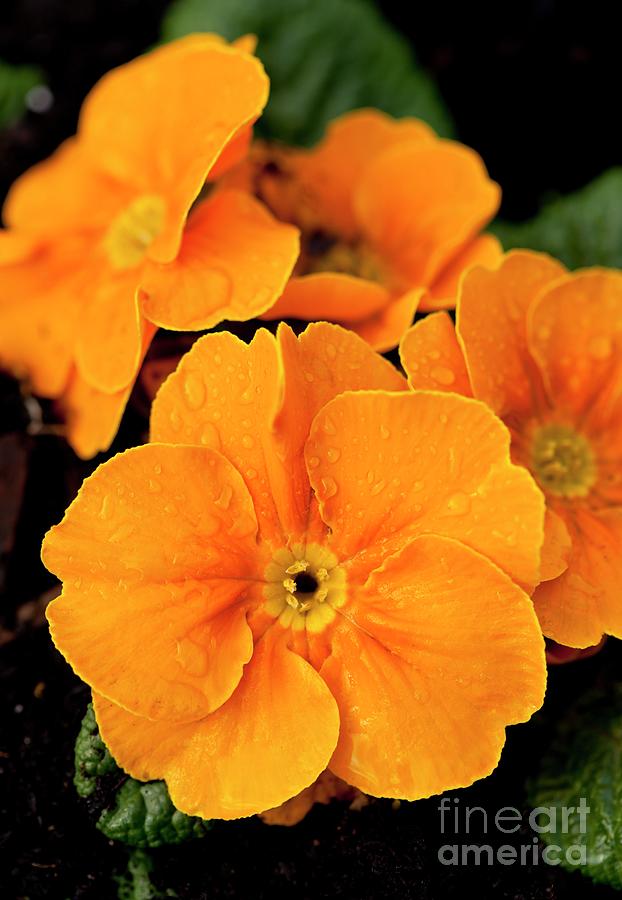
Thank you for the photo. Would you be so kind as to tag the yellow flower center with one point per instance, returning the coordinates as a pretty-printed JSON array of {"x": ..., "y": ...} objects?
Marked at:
[
  {"x": 326, "y": 254},
  {"x": 563, "y": 461},
  {"x": 304, "y": 587},
  {"x": 134, "y": 230}
]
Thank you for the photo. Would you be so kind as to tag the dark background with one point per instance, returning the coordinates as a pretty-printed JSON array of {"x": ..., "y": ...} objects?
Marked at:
[{"x": 533, "y": 86}]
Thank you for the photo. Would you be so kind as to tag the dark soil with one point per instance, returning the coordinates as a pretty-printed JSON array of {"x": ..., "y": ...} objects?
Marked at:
[{"x": 532, "y": 93}]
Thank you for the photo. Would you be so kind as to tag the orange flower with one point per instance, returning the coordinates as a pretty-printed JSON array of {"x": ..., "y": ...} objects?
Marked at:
[
  {"x": 390, "y": 217},
  {"x": 100, "y": 249},
  {"x": 544, "y": 349},
  {"x": 309, "y": 567}
]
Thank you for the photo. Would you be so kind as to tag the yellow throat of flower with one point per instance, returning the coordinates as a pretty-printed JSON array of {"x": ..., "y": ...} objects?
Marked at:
[
  {"x": 563, "y": 461},
  {"x": 134, "y": 230},
  {"x": 304, "y": 587}
]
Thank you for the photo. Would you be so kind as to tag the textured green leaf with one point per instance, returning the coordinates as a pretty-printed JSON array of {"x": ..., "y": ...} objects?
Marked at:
[
  {"x": 137, "y": 813},
  {"x": 585, "y": 760},
  {"x": 136, "y": 884},
  {"x": 15, "y": 82},
  {"x": 143, "y": 816},
  {"x": 581, "y": 229},
  {"x": 91, "y": 757},
  {"x": 324, "y": 57}
]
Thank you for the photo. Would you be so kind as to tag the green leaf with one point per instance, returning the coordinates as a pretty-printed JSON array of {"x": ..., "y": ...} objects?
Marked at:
[
  {"x": 15, "y": 82},
  {"x": 137, "y": 813},
  {"x": 91, "y": 757},
  {"x": 585, "y": 761},
  {"x": 136, "y": 883},
  {"x": 144, "y": 816},
  {"x": 324, "y": 57},
  {"x": 581, "y": 229}
]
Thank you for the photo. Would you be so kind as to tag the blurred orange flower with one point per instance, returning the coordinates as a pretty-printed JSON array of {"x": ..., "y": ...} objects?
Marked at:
[
  {"x": 544, "y": 349},
  {"x": 309, "y": 567},
  {"x": 390, "y": 217},
  {"x": 100, "y": 250}
]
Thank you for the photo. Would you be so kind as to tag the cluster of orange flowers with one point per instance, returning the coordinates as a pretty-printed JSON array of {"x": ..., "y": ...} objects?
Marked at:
[{"x": 317, "y": 568}]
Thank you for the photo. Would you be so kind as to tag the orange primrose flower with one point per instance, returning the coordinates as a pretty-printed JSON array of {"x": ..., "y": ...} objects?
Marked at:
[
  {"x": 543, "y": 348},
  {"x": 390, "y": 217},
  {"x": 100, "y": 248},
  {"x": 309, "y": 567}
]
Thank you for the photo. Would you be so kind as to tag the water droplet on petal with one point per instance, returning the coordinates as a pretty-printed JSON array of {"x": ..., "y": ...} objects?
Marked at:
[
  {"x": 333, "y": 454},
  {"x": 329, "y": 488},
  {"x": 314, "y": 462},
  {"x": 458, "y": 504},
  {"x": 384, "y": 432},
  {"x": 442, "y": 375},
  {"x": 378, "y": 488},
  {"x": 329, "y": 426},
  {"x": 194, "y": 390},
  {"x": 247, "y": 441},
  {"x": 224, "y": 498}
]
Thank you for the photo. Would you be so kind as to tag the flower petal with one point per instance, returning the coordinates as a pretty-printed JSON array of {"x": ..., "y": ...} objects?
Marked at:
[
  {"x": 419, "y": 205},
  {"x": 330, "y": 296},
  {"x": 160, "y": 122},
  {"x": 234, "y": 261},
  {"x": 556, "y": 548},
  {"x": 270, "y": 740},
  {"x": 158, "y": 625},
  {"x": 492, "y": 326},
  {"x": 484, "y": 250},
  {"x": 441, "y": 646},
  {"x": 331, "y": 171},
  {"x": 191, "y": 498},
  {"x": 109, "y": 347},
  {"x": 575, "y": 334},
  {"x": 392, "y": 466},
  {"x": 384, "y": 330},
  {"x": 255, "y": 403},
  {"x": 64, "y": 193},
  {"x": 433, "y": 358},
  {"x": 225, "y": 395},
  {"x": 581, "y": 605},
  {"x": 40, "y": 310}
]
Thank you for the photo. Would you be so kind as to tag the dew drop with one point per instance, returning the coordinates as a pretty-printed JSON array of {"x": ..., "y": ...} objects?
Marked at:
[
  {"x": 458, "y": 504},
  {"x": 599, "y": 347},
  {"x": 442, "y": 375},
  {"x": 251, "y": 473},
  {"x": 194, "y": 390},
  {"x": 378, "y": 488},
  {"x": 104, "y": 511},
  {"x": 329, "y": 488},
  {"x": 333, "y": 454},
  {"x": 175, "y": 420},
  {"x": 329, "y": 426},
  {"x": 314, "y": 462},
  {"x": 224, "y": 498},
  {"x": 384, "y": 432},
  {"x": 247, "y": 441},
  {"x": 210, "y": 436}
]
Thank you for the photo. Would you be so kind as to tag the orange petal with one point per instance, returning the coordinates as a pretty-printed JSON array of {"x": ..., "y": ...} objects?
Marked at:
[
  {"x": 432, "y": 357},
  {"x": 326, "y": 788},
  {"x": 420, "y": 205},
  {"x": 492, "y": 325},
  {"x": 161, "y": 122},
  {"x": 322, "y": 363},
  {"x": 331, "y": 171},
  {"x": 234, "y": 261},
  {"x": 584, "y": 602},
  {"x": 228, "y": 395},
  {"x": 64, "y": 193},
  {"x": 225, "y": 395},
  {"x": 392, "y": 466},
  {"x": 330, "y": 296},
  {"x": 440, "y": 646},
  {"x": 190, "y": 497},
  {"x": 40, "y": 309},
  {"x": 109, "y": 347},
  {"x": 270, "y": 740},
  {"x": 556, "y": 548},
  {"x": 485, "y": 250},
  {"x": 575, "y": 334},
  {"x": 384, "y": 330},
  {"x": 159, "y": 626}
]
